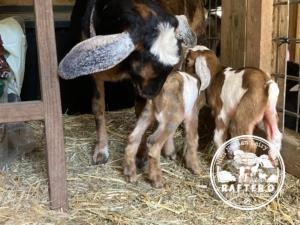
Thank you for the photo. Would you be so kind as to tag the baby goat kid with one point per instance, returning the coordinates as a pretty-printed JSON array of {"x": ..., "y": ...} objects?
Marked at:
[
  {"x": 239, "y": 99},
  {"x": 179, "y": 101}
]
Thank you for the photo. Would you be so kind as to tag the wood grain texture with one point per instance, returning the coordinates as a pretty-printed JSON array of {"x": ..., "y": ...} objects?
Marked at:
[
  {"x": 297, "y": 51},
  {"x": 233, "y": 33},
  {"x": 52, "y": 105},
  {"x": 259, "y": 30},
  {"x": 226, "y": 36},
  {"x": 293, "y": 23},
  {"x": 280, "y": 29},
  {"x": 23, "y": 111},
  {"x": 247, "y": 33},
  {"x": 30, "y": 2}
]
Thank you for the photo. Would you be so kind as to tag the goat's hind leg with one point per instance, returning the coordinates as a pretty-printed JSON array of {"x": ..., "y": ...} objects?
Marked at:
[
  {"x": 169, "y": 149},
  {"x": 248, "y": 113},
  {"x": 220, "y": 133},
  {"x": 191, "y": 130},
  {"x": 145, "y": 119},
  {"x": 274, "y": 136}
]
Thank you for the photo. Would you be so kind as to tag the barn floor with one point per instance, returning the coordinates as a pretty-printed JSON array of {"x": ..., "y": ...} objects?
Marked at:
[{"x": 99, "y": 194}]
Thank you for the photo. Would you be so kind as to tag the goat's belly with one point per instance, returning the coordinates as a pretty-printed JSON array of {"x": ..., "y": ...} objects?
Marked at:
[{"x": 190, "y": 93}]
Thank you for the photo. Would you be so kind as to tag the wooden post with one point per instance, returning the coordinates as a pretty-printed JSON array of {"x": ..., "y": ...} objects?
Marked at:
[
  {"x": 281, "y": 28},
  {"x": 297, "y": 51},
  {"x": 52, "y": 105},
  {"x": 233, "y": 33},
  {"x": 259, "y": 28}
]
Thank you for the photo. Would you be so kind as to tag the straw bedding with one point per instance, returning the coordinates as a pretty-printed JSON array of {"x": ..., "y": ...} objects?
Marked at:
[{"x": 100, "y": 195}]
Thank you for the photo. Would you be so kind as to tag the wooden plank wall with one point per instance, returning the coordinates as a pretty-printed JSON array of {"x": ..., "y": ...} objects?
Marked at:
[
  {"x": 294, "y": 32},
  {"x": 280, "y": 29},
  {"x": 297, "y": 54},
  {"x": 233, "y": 33},
  {"x": 246, "y": 33},
  {"x": 30, "y": 2}
]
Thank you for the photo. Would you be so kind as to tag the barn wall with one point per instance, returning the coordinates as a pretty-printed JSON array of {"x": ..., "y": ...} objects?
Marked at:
[
  {"x": 30, "y": 2},
  {"x": 246, "y": 33}
]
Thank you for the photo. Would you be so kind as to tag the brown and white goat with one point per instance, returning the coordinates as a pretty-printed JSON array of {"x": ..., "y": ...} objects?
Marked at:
[
  {"x": 239, "y": 98},
  {"x": 179, "y": 101}
]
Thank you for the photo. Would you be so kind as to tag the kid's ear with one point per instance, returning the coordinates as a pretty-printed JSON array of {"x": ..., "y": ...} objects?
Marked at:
[{"x": 203, "y": 72}]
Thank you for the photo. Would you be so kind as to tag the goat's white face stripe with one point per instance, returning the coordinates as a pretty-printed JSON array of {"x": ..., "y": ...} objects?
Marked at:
[
  {"x": 165, "y": 46},
  {"x": 232, "y": 90},
  {"x": 190, "y": 92}
]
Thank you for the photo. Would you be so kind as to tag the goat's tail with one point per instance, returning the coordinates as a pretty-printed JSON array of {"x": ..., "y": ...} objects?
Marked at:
[{"x": 273, "y": 93}]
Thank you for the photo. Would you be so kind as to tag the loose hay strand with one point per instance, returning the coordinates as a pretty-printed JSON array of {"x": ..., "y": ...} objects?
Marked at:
[{"x": 100, "y": 195}]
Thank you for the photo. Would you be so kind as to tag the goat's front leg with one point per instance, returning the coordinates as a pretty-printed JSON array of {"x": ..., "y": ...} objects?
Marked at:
[
  {"x": 142, "y": 154},
  {"x": 135, "y": 137},
  {"x": 101, "y": 152},
  {"x": 155, "y": 143}
]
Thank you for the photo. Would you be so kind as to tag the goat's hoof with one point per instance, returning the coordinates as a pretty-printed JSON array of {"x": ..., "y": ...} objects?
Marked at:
[
  {"x": 156, "y": 180},
  {"x": 130, "y": 174},
  {"x": 131, "y": 179},
  {"x": 194, "y": 168},
  {"x": 157, "y": 184},
  {"x": 100, "y": 157},
  {"x": 171, "y": 156}
]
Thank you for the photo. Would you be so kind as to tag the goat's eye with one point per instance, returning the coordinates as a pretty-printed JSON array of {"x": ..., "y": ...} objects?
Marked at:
[{"x": 174, "y": 22}]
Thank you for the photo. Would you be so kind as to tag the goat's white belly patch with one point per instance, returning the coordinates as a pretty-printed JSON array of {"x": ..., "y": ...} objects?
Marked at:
[
  {"x": 190, "y": 92},
  {"x": 232, "y": 90}
]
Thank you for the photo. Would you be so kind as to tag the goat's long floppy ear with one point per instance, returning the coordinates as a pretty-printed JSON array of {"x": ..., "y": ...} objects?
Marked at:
[
  {"x": 96, "y": 54},
  {"x": 203, "y": 72},
  {"x": 184, "y": 32}
]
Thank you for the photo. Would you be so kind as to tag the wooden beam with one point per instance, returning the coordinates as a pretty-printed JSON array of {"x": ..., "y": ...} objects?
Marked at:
[
  {"x": 258, "y": 46},
  {"x": 233, "y": 33},
  {"x": 293, "y": 29},
  {"x": 281, "y": 27},
  {"x": 30, "y": 2},
  {"x": 297, "y": 52},
  {"x": 21, "y": 111},
  {"x": 52, "y": 105},
  {"x": 291, "y": 152},
  {"x": 225, "y": 33}
]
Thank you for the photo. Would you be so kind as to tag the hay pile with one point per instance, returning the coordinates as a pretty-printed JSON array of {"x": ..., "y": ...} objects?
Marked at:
[{"x": 99, "y": 194}]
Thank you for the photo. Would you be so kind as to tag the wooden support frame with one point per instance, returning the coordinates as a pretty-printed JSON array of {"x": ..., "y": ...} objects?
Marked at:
[{"x": 49, "y": 109}]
